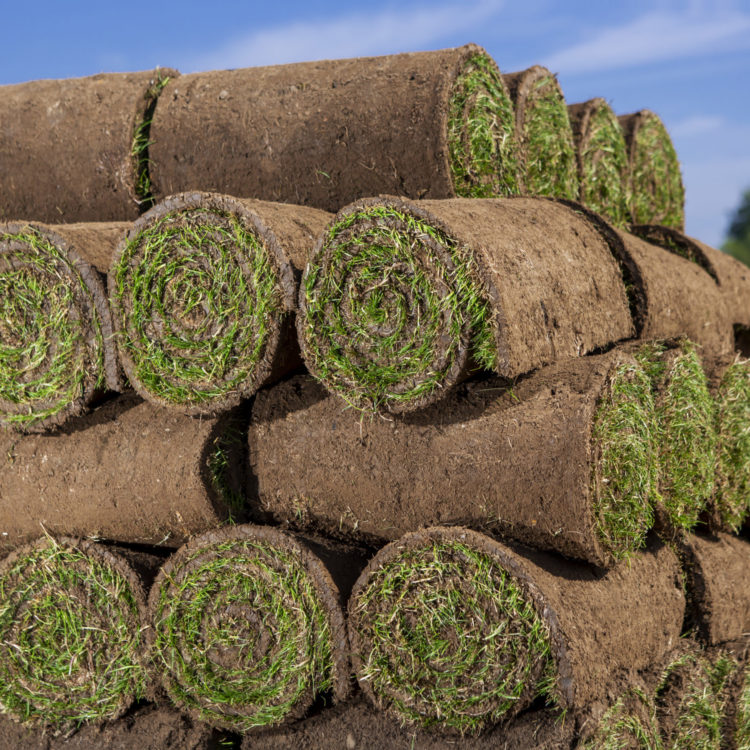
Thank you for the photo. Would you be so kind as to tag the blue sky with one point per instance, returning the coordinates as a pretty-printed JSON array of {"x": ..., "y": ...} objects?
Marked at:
[{"x": 688, "y": 60}]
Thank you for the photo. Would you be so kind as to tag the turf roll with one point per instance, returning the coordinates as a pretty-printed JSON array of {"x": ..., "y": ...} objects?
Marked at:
[
  {"x": 249, "y": 629},
  {"x": 423, "y": 125},
  {"x": 563, "y": 460},
  {"x": 401, "y": 300},
  {"x": 601, "y": 158},
  {"x": 56, "y": 349},
  {"x": 128, "y": 472},
  {"x": 546, "y": 149},
  {"x": 203, "y": 291},
  {"x": 72, "y": 645},
  {"x": 656, "y": 194},
  {"x": 78, "y": 149},
  {"x": 454, "y": 631}
]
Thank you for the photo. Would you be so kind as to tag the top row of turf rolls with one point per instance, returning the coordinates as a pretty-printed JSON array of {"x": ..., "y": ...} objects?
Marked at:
[{"x": 420, "y": 125}]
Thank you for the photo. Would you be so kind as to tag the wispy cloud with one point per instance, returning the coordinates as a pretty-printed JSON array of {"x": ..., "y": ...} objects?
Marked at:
[
  {"x": 656, "y": 37},
  {"x": 696, "y": 125},
  {"x": 372, "y": 33}
]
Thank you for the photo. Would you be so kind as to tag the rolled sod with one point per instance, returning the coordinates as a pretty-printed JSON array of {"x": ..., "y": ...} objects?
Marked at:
[
  {"x": 203, "y": 291},
  {"x": 564, "y": 460},
  {"x": 454, "y": 631},
  {"x": 72, "y": 641},
  {"x": 323, "y": 134},
  {"x": 602, "y": 159},
  {"x": 656, "y": 194},
  {"x": 401, "y": 300},
  {"x": 547, "y": 154},
  {"x": 249, "y": 629},
  {"x": 56, "y": 349},
  {"x": 77, "y": 149},
  {"x": 128, "y": 472},
  {"x": 686, "y": 432}
]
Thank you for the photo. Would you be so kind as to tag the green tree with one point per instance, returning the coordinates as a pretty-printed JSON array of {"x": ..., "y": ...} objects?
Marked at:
[{"x": 737, "y": 242}]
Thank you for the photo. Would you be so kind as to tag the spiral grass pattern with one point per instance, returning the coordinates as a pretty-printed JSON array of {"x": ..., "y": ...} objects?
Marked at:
[
  {"x": 481, "y": 133},
  {"x": 53, "y": 320},
  {"x": 199, "y": 295},
  {"x": 443, "y": 636},
  {"x": 391, "y": 308},
  {"x": 71, "y": 635},
  {"x": 245, "y": 625}
]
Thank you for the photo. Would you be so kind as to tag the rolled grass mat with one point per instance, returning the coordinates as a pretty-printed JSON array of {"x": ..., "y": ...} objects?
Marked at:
[
  {"x": 56, "y": 349},
  {"x": 128, "y": 472},
  {"x": 562, "y": 460},
  {"x": 716, "y": 574},
  {"x": 72, "y": 645},
  {"x": 249, "y": 629},
  {"x": 323, "y": 134},
  {"x": 77, "y": 149},
  {"x": 602, "y": 159},
  {"x": 401, "y": 300},
  {"x": 547, "y": 153},
  {"x": 452, "y": 630},
  {"x": 203, "y": 291},
  {"x": 686, "y": 433},
  {"x": 656, "y": 193}
]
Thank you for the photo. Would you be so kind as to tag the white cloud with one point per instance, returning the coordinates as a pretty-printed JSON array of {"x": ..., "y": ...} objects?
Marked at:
[
  {"x": 371, "y": 33},
  {"x": 655, "y": 37},
  {"x": 696, "y": 125}
]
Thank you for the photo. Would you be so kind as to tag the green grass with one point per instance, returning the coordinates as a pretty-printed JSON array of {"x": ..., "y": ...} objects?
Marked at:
[
  {"x": 385, "y": 317},
  {"x": 733, "y": 436},
  {"x": 657, "y": 195},
  {"x": 481, "y": 133},
  {"x": 625, "y": 476},
  {"x": 196, "y": 299},
  {"x": 70, "y": 638},
  {"x": 550, "y": 157},
  {"x": 604, "y": 167},
  {"x": 623, "y": 728},
  {"x": 449, "y": 638},
  {"x": 48, "y": 355},
  {"x": 742, "y": 720},
  {"x": 242, "y": 635}
]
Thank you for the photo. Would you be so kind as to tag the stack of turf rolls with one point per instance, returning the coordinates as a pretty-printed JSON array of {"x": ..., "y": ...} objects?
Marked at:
[{"x": 367, "y": 403}]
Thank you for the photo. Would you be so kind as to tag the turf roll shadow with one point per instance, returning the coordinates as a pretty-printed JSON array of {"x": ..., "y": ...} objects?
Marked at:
[
  {"x": 248, "y": 629},
  {"x": 401, "y": 300},
  {"x": 73, "y": 645},
  {"x": 56, "y": 349},
  {"x": 128, "y": 472},
  {"x": 424, "y": 125},
  {"x": 454, "y": 631},
  {"x": 203, "y": 292},
  {"x": 547, "y": 153},
  {"x": 602, "y": 159},
  {"x": 78, "y": 149},
  {"x": 656, "y": 193}
]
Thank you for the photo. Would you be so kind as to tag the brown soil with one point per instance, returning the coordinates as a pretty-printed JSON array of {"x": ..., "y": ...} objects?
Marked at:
[
  {"x": 356, "y": 725},
  {"x": 128, "y": 472},
  {"x": 717, "y": 591},
  {"x": 319, "y": 134},
  {"x": 65, "y": 152},
  {"x": 288, "y": 233},
  {"x": 513, "y": 458},
  {"x": 605, "y": 627},
  {"x": 741, "y": 652},
  {"x": 178, "y": 567}
]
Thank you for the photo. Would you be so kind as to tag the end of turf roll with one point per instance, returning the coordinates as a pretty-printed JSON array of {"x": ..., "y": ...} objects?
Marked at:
[
  {"x": 248, "y": 629},
  {"x": 56, "y": 330},
  {"x": 629, "y": 723},
  {"x": 482, "y": 146},
  {"x": 72, "y": 641},
  {"x": 201, "y": 292},
  {"x": 656, "y": 194}
]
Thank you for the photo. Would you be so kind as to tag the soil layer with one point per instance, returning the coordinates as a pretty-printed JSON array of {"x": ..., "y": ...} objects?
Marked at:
[
  {"x": 203, "y": 291},
  {"x": 67, "y": 147},
  {"x": 128, "y": 472},
  {"x": 326, "y": 133}
]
